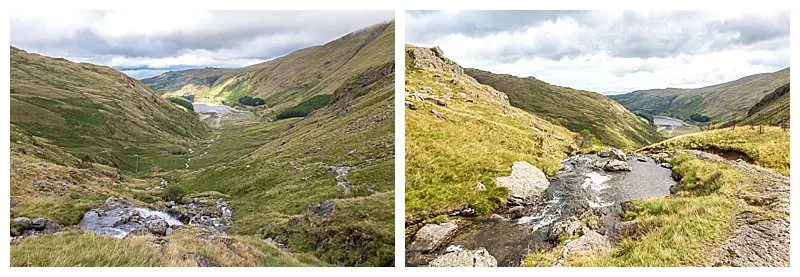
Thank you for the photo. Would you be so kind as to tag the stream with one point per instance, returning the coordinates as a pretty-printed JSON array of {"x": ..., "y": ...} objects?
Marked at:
[{"x": 579, "y": 186}]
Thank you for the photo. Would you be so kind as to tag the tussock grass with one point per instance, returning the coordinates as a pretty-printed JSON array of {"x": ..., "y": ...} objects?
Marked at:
[{"x": 769, "y": 148}]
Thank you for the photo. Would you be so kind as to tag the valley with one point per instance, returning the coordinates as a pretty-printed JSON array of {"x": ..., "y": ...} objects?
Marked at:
[{"x": 217, "y": 183}]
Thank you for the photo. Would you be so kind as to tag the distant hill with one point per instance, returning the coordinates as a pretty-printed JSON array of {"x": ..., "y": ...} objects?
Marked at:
[
  {"x": 577, "y": 110},
  {"x": 772, "y": 109},
  {"x": 96, "y": 113},
  {"x": 283, "y": 82},
  {"x": 721, "y": 103}
]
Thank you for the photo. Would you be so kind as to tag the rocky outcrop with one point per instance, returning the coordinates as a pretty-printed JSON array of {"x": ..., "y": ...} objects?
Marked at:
[
  {"x": 465, "y": 258},
  {"x": 613, "y": 153},
  {"x": 431, "y": 236},
  {"x": 23, "y": 226},
  {"x": 432, "y": 58},
  {"x": 589, "y": 243},
  {"x": 205, "y": 211},
  {"x": 118, "y": 218},
  {"x": 325, "y": 210},
  {"x": 526, "y": 184},
  {"x": 615, "y": 165}
]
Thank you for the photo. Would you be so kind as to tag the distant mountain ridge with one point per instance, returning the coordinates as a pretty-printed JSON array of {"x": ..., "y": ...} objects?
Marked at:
[
  {"x": 721, "y": 103},
  {"x": 577, "y": 110}
]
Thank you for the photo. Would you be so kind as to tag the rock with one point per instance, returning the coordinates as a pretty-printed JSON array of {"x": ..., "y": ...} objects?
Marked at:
[
  {"x": 201, "y": 261},
  {"x": 666, "y": 165},
  {"x": 613, "y": 153},
  {"x": 614, "y": 165},
  {"x": 462, "y": 95},
  {"x": 468, "y": 212},
  {"x": 497, "y": 217},
  {"x": 439, "y": 115},
  {"x": 156, "y": 225},
  {"x": 589, "y": 243},
  {"x": 480, "y": 187},
  {"x": 641, "y": 158},
  {"x": 570, "y": 227},
  {"x": 411, "y": 106},
  {"x": 517, "y": 212},
  {"x": 627, "y": 228},
  {"x": 661, "y": 157},
  {"x": 677, "y": 176},
  {"x": 19, "y": 225},
  {"x": 465, "y": 258},
  {"x": 45, "y": 226},
  {"x": 431, "y": 236},
  {"x": 325, "y": 209},
  {"x": 526, "y": 184},
  {"x": 673, "y": 189},
  {"x": 630, "y": 206}
]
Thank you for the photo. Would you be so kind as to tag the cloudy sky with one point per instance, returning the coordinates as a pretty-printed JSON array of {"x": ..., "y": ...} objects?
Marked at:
[
  {"x": 145, "y": 45},
  {"x": 610, "y": 52}
]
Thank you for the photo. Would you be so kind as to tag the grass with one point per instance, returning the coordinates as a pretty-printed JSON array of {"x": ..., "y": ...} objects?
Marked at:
[
  {"x": 478, "y": 142},
  {"x": 578, "y": 110},
  {"x": 679, "y": 230},
  {"x": 768, "y": 148},
  {"x": 305, "y": 107}
]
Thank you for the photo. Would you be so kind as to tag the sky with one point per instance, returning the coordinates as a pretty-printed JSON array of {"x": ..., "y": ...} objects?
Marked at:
[
  {"x": 145, "y": 45},
  {"x": 610, "y": 52}
]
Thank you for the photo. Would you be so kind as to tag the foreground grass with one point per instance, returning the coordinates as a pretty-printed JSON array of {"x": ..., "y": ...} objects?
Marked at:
[
  {"x": 679, "y": 230},
  {"x": 78, "y": 248},
  {"x": 769, "y": 148},
  {"x": 478, "y": 141}
]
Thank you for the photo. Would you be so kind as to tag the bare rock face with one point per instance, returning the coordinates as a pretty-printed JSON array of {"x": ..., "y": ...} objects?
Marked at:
[
  {"x": 465, "y": 258},
  {"x": 23, "y": 226},
  {"x": 758, "y": 242},
  {"x": 433, "y": 58},
  {"x": 589, "y": 243},
  {"x": 527, "y": 183},
  {"x": 431, "y": 236}
]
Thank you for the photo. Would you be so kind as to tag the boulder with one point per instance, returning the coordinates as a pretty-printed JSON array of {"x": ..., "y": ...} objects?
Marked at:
[
  {"x": 517, "y": 212},
  {"x": 44, "y": 226},
  {"x": 614, "y": 165},
  {"x": 19, "y": 225},
  {"x": 411, "y": 106},
  {"x": 325, "y": 209},
  {"x": 156, "y": 225},
  {"x": 666, "y": 165},
  {"x": 439, "y": 115},
  {"x": 465, "y": 258},
  {"x": 627, "y": 228},
  {"x": 613, "y": 153},
  {"x": 641, "y": 158},
  {"x": 589, "y": 243},
  {"x": 431, "y": 236},
  {"x": 526, "y": 184}
]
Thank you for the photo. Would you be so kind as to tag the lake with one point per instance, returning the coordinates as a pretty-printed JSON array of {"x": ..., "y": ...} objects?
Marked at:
[{"x": 666, "y": 121}]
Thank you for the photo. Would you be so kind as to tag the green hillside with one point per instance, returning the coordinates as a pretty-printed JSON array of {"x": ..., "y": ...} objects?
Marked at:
[
  {"x": 772, "y": 109},
  {"x": 459, "y": 133},
  {"x": 721, "y": 103},
  {"x": 98, "y": 114},
  {"x": 578, "y": 110}
]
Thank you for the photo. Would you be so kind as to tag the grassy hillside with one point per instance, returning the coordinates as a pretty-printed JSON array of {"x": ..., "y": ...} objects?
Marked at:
[
  {"x": 472, "y": 135},
  {"x": 721, "y": 103},
  {"x": 772, "y": 109},
  {"x": 283, "y": 82},
  {"x": 96, "y": 113},
  {"x": 577, "y": 110},
  {"x": 275, "y": 171}
]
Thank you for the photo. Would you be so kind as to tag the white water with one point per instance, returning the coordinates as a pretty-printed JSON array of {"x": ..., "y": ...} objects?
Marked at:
[{"x": 145, "y": 213}]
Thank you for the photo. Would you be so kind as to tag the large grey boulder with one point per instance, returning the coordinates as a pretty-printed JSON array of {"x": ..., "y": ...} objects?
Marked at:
[
  {"x": 526, "y": 184},
  {"x": 589, "y": 243},
  {"x": 431, "y": 236},
  {"x": 613, "y": 153},
  {"x": 614, "y": 165},
  {"x": 156, "y": 225},
  {"x": 465, "y": 258}
]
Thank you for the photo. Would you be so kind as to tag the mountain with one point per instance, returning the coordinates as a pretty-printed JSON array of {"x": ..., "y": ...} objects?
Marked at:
[
  {"x": 283, "y": 82},
  {"x": 577, "y": 110},
  {"x": 772, "y": 109},
  {"x": 460, "y": 133},
  {"x": 721, "y": 103},
  {"x": 96, "y": 113}
]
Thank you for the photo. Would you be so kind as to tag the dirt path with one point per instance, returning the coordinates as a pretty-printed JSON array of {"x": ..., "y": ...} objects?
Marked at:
[{"x": 761, "y": 234}]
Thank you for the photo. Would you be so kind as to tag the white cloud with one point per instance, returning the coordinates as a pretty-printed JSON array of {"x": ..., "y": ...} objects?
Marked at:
[{"x": 611, "y": 51}]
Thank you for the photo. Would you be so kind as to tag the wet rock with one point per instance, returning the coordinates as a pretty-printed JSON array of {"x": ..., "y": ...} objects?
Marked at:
[
  {"x": 431, "y": 236},
  {"x": 677, "y": 176},
  {"x": 465, "y": 258},
  {"x": 641, "y": 158},
  {"x": 589, "y": 243},
  {"x": 661, "y": 157},
  {"x": 614, "y": 165},
  {"x": 156, "y": 225},
  {"x": 325, "y": 209},
  {"x": 613, "y": 153},
  {"x": 517, "y": 212},
  {"x": 468, "y": 212},
  {"x": 666, "y": 165},
  {"x": 526, "y": 184},
  {"x": 205, "y": 212},
  {"x": 568, "y": 228}
]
